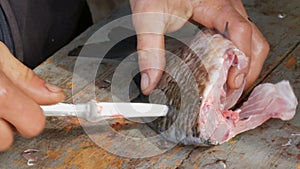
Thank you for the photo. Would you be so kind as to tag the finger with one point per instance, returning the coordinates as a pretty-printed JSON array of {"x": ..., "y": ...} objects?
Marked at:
[
  {"x": 41, "y": 92},
  {"x": 152, "y": 19},
  {"x": 238, "y": 5},
  {"x": 19, "y": 110},
  {"x": 260, "y": 47},
  {"x": 259, "y": 53},
  {"x": 25, "y": 79},
  {"x": 216, "y": 16},
  {"x": 150, "y": 45},
  {"x": 160, "y": 16},
  {"x": 6, "y": 135},
  {"x": 151, "y": 60},
  {"x": 239, "y": 32}
]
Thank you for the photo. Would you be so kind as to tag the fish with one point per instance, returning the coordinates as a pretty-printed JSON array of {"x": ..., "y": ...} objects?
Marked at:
[{"x": 201, "y": 112}]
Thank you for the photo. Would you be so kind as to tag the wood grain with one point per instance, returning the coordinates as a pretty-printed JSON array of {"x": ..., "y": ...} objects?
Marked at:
[{"x": 67, "y": 146}]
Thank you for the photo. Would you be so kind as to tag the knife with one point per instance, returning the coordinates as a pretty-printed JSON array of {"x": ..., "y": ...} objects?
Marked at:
[{"x": 93, "y": 111}]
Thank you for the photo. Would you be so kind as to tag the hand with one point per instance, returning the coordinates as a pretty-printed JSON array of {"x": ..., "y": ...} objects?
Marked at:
[
  {"x": 21, "y": 93},
  {"x": 210, "y": 13}
]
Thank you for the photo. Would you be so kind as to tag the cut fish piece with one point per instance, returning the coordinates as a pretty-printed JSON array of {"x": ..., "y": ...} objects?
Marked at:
[{"x": 194, "y": 85}]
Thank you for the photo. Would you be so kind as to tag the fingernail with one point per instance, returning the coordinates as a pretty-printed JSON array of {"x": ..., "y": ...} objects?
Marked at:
[
  {"x": 53, "y": 88},
  {"x": 239, "y": 80},
  {"x": 145, "y": 81}
]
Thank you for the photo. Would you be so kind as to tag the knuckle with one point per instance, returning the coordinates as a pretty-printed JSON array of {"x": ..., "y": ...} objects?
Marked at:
[
  {"x": 5, "y": 88},
  {"x": 3, "y": 93},
  {"x": 243, "y": 27},
  {"x": 36, "y": 129},
  {"x": 262, "y": 49},
  {"x": 2, "y": 45},
  {"x": 7, "y": 143},
  {"x": 266, "y": 47}
]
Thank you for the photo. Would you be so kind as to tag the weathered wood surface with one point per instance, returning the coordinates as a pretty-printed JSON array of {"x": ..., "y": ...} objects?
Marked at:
[{"x": 66, "y": 144}]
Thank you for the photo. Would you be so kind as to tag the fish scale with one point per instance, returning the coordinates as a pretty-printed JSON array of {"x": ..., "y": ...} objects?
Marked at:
[{"x": 194, "y": 84}]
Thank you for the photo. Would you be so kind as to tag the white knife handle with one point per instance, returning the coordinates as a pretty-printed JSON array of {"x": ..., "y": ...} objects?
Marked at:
[
  {"x": 87, "y": 111},
  {"x": 63, "y": 109},
  {"x": 94, "y": 112}
]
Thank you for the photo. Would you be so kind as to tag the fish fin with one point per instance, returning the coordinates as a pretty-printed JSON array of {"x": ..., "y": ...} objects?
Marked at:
[{"x": 265, "y": 102}]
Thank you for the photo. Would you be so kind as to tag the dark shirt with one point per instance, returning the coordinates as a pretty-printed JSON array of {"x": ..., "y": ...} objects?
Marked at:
[
  {"x": 5, "y": 33},
  {"x": 41, "y": 27}
]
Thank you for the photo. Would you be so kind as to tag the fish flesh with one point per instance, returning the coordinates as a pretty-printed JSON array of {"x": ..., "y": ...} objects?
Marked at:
[{"x": 194, "y": 87}]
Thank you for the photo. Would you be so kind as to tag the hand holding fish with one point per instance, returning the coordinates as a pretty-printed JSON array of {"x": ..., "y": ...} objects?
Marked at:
[
  {"x": 210, "y": 13},
  {"x": 21, "y": 92}
]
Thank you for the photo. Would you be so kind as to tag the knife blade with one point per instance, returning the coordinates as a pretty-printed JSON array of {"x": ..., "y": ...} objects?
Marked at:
[{"x": 93, "y": 111}]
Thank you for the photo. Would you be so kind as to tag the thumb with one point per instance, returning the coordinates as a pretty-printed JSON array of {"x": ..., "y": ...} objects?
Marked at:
[
  {"x": 150, "y": 28},
  {"x": 27, "y": 81},
  {"x": 41, "y": 92},
  {"x": 151, "y": 60}
]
